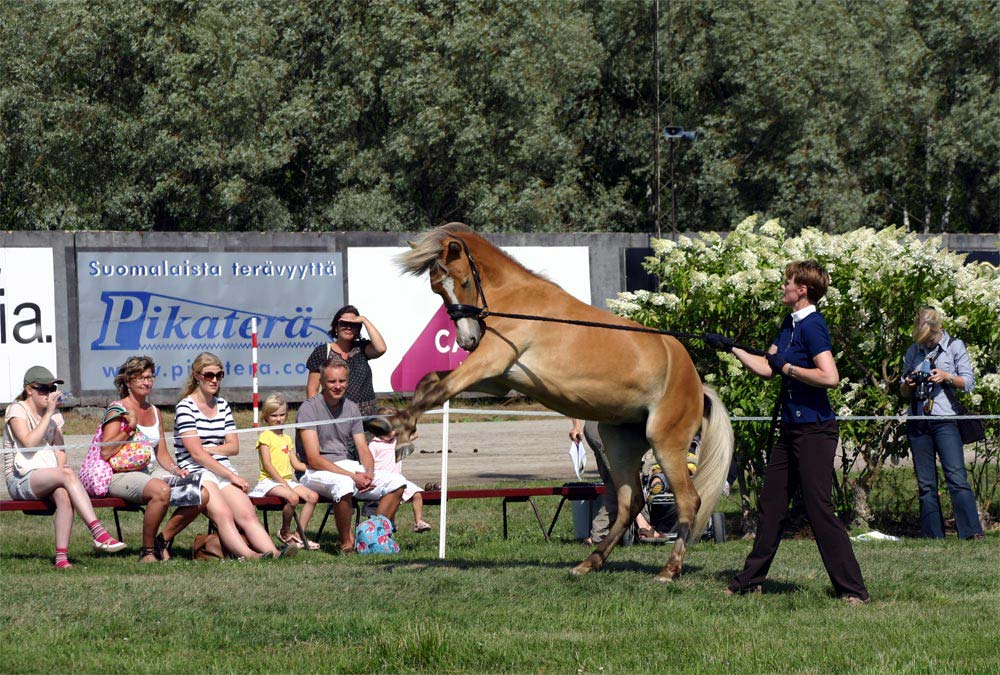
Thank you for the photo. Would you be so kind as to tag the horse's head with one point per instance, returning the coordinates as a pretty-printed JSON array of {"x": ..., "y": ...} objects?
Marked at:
[
  {"x": 454, "y": 277},
  {"x": 444, "y": 254}
]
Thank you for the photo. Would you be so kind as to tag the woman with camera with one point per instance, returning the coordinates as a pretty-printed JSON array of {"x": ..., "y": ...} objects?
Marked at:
[{"x": 934, "y": 362}]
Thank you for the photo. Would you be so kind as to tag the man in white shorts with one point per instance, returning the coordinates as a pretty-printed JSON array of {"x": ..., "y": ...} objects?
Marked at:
[{"x": 325, "y": 450}]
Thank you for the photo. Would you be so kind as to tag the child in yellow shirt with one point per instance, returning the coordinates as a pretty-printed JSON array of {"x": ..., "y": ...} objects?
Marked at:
[{"x": 277, "y": 465}]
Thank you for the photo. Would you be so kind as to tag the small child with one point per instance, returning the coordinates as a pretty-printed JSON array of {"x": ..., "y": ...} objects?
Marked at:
[
  {"x": 277, "y": 461},
  {"x": 383, "y": 449}
]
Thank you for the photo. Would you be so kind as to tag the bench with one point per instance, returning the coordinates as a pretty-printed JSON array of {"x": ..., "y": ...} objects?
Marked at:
[
  {"x": 585, "y": 491},
  {"x": 576, "y": 491},
  {"x": 37, "y": 507}
]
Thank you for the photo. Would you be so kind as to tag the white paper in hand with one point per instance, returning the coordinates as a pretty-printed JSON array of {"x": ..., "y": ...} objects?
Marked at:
[{"x": 578, "y": 456}]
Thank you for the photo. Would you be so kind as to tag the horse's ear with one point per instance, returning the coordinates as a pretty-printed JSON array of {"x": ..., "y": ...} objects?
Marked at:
[
  {"x": 411, "y": 244},
  {"x": 454, "y": 251}
]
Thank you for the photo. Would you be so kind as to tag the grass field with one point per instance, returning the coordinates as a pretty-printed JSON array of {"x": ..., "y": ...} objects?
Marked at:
[{"x": 492, "y": 606}]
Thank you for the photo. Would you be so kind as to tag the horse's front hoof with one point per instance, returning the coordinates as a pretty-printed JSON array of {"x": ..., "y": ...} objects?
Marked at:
[
  {"x": 668, "y": 573},
  {"x": 593, "y": 563},
  {"x": 403, "y": 450}
]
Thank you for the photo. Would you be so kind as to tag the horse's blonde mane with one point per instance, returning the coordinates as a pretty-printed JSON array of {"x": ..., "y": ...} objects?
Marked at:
[
  {"x": 424, "y": 251},
  {"x": 427, "y": 247}
]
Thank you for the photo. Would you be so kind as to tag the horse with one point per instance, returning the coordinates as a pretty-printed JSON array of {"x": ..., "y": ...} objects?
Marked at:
[{"x": 641, "y": 388}]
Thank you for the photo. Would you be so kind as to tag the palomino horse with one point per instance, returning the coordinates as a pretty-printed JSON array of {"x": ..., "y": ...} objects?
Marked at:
[{"x": 641, "y": 388}]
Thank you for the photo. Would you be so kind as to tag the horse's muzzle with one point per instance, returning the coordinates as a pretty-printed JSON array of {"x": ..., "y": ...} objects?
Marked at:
[{"x": 403, "y": 450}]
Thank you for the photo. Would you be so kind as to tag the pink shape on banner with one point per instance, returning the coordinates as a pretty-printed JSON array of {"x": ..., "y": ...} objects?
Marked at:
[{"x": 433, "y": 350}]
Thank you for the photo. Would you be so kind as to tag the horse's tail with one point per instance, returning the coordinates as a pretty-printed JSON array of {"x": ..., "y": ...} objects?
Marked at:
[{"x": 714, "y": 457}]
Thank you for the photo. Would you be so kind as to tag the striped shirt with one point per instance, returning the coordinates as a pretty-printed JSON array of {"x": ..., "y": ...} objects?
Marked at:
[{"x": 211, "y": 430}]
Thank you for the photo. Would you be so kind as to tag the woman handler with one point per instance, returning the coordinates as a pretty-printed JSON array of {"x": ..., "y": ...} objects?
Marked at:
[{"x": 807, "y": 440}]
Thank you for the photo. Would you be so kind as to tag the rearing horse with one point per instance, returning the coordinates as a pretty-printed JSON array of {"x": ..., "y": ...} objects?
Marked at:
[{"x": 641, "y": 388}]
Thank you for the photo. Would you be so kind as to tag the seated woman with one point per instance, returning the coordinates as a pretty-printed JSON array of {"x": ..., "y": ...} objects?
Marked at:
[
  {"x": 204, "y": 441},
  {"x": 148, "y": 486},
  {"x": 37, "y": 471}
]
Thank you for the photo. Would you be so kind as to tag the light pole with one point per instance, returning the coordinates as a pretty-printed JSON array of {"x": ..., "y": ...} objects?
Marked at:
[{"x": 674, "y": 134}]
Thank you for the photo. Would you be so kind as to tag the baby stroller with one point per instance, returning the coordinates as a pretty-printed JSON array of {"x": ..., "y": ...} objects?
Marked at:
[{"x": 662, "y": 510}]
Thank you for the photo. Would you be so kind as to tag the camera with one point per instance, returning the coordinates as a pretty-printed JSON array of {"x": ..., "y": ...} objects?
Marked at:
[{"x": 922, "y": 385}]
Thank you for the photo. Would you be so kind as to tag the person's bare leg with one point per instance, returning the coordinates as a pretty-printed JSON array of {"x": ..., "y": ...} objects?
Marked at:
[
  {"x": 343, "y": 513},
  {"x": 389, "y": 504}
]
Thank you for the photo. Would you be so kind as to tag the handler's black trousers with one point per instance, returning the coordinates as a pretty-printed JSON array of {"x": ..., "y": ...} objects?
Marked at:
[{"x": 803, "y": 456}]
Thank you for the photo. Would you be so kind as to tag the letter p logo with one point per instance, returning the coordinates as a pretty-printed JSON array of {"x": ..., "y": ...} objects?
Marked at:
[{"x": 124, "y": 316}]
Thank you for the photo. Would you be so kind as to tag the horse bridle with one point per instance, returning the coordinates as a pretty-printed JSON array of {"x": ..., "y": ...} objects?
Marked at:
[{"x": 459, "y": 311}]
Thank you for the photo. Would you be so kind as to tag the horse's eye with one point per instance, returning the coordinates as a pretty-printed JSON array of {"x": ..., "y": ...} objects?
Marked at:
[{"x": 466, "y": 283}]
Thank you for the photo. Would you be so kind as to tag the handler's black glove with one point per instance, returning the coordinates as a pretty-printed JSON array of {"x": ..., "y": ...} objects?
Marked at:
[
  {"x": 719, "y": 343},
  {"x": 777, "y": 362}
]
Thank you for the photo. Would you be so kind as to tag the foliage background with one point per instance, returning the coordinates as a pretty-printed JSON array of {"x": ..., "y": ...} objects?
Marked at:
[
  {"x": 730, "y": 285},
  {"x": 527, "y": 115}
]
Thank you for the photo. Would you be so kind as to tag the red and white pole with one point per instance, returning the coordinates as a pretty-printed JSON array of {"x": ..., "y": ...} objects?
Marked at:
[{"x": 256, "y": 395}]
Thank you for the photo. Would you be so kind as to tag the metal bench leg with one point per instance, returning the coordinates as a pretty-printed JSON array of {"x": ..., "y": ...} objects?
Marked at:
[
  {"x": 504, "y": 517},
  {"x": 538, "y": 517},
  {"x": 322, "y": 525},
  {"x": 263, "y": 514},
  {"x": 555, "y": 518},
  {"x": 118, "y": 525}
]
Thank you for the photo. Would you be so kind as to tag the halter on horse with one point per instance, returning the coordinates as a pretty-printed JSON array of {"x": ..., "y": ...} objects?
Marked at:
[{"x": 641, "y": 388}]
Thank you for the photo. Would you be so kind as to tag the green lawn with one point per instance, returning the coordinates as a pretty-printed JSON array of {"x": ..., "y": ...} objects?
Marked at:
[{"x": 493, "y": 606}]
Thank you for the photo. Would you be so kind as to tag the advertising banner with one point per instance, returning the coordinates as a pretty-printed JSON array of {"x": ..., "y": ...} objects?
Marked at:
[
  {"x": 27, "y": 316},
  {"x": 418, "y": 333},
  {"x": 171, "y": 306}
]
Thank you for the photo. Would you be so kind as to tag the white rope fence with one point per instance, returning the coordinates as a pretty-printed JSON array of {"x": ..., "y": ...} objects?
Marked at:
[{"x": 446, "y": 411}]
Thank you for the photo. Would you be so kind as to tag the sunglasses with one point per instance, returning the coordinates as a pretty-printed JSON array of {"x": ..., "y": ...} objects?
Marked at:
[
  {"x": 349, "y": 324},
  {"x": 213, "y": 375},
  {"x": 45, "y": 388}
]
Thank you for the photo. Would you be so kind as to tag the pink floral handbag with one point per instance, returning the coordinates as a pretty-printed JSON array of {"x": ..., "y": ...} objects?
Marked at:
[
  {"x": 134, "y": 455},
  {"x": 96, "y": 472}
]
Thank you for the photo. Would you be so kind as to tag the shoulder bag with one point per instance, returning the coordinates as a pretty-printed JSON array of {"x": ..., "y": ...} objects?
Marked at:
[
  {"x": 971, "y": 431},
  {"x": 96, "y": 472}
]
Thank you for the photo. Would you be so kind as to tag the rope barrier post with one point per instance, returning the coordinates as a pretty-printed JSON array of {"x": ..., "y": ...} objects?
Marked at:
[
  {"x": 444, "y": 479},
  {"x": 256, "y": 396}
]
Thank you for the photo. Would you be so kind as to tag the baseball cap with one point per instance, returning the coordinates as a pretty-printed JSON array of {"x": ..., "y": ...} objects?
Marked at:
[{"x": 40, "y": 375}]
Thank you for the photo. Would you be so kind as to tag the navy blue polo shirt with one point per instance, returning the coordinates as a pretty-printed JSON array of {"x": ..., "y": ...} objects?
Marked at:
[{"x": 799, "y": 345}]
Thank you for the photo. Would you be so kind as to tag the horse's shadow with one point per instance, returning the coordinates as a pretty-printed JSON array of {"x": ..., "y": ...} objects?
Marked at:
[{"x": 466, "y": 564}]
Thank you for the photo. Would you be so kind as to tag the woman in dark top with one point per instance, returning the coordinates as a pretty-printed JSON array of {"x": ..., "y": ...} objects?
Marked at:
[
  {"x": 807, "y": 441},
  {"x": 345, "y": 329}
]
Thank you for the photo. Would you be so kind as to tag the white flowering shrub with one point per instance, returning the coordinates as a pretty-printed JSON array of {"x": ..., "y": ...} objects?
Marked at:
[{"x": 879, "y": 279}]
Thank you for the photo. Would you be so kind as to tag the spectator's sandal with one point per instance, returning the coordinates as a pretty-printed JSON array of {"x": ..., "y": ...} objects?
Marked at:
[
  {"x": 148, "y": 555},
  {"x": 289, "y": 551},
  {"x": 421, "y": 526},
  {"x": 161, "y": 547},
  {"x": 290, "y": 540}
]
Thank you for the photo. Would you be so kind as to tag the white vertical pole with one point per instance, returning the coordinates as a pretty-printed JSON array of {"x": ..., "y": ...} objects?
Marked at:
[
  {"x": 256, "y": 395},
  {"x": 444, "y": 479}
]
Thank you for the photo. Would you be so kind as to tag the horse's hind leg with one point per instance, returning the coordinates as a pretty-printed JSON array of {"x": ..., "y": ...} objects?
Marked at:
[
  {"x": 624, "y": 447},
  {"x": 671, "y": 438}
]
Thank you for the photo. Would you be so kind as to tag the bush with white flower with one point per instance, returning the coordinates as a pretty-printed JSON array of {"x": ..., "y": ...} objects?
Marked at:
[{"x": 879, "y": 279}]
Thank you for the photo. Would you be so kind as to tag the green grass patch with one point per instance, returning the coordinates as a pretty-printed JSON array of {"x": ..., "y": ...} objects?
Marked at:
[{"x": 493, "y": 606}]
